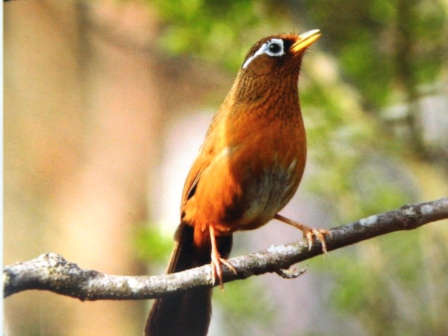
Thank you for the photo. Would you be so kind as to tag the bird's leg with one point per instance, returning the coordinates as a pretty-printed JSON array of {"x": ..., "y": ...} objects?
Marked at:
[
  {"x": 308, "y": 232},
  {"x": 217, "y": 261}
]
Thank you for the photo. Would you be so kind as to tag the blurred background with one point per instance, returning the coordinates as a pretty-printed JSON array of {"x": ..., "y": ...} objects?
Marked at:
[{"x": 106, "y": 103}]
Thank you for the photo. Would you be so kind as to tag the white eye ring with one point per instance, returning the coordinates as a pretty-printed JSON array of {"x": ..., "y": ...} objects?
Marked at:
[
  {"x": 274, "y": 47},
  {"x": 267, "y": 49}
]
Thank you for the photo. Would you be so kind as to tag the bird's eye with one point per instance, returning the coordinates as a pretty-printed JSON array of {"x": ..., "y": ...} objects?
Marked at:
[{"x": 275, "y": 48}]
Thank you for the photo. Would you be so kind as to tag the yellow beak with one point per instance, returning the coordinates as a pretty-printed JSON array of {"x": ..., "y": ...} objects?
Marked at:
[{"x": 305, "y": 40}]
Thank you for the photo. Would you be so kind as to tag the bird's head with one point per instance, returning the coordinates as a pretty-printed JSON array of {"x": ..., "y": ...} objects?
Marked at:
[
  {"x": 272, "y": 62},
  {"x": 275, "y": 52}
]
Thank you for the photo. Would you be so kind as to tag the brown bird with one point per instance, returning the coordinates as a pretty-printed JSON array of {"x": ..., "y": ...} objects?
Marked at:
[{"x": 247, "y": 170}]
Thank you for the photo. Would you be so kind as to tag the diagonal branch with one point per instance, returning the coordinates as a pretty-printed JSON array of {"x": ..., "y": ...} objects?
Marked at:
[{"x": 53, "y": 273}]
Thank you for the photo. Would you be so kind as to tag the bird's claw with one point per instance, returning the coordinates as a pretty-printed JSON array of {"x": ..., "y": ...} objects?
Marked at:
[
  {"x": 319, "y": 234},
  {"x": 216, "y": 266},
  {"x": 308, "y": 233},
  {"x": 290, "y": 273}
]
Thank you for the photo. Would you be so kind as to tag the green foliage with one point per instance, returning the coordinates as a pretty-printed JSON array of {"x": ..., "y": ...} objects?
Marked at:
[
  {"x": 246, "y": 303},
  {"x": 150, "y": 244},
  {"x": 217, "y": 31},
  {"x": 379, "y": 283},
  {"x": 381, "y": 44}
]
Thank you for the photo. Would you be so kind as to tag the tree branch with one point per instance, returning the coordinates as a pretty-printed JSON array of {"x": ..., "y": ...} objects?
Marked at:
[{"x": 53, "y": 273}]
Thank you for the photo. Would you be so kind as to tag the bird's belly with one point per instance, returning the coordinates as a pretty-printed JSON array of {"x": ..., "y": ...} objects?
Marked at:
[
  {"x": 266, "y": 196},
  {"x": 254, "y": 197}
]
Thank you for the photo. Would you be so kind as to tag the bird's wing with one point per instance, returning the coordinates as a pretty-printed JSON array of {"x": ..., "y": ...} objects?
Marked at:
[
  {"x": 201, "y": 163},
  {"x": 213, "y": 142}
]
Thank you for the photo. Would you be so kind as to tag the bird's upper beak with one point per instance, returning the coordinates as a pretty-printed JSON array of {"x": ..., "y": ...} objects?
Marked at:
[{"x": 305, "y": 40}]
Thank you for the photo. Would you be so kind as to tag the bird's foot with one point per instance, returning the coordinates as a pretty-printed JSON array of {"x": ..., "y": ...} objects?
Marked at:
[
  {"x": 319, "y": 234},
  {"x": 216, "y": 266},
  {"x": 290, "y": 273},
  {"x": 308, "y": 232},
  {"x": 217, "y": 261}
]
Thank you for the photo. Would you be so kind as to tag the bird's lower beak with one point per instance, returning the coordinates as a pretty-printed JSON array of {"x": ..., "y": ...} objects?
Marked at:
[{"x": 305, "y": 40}]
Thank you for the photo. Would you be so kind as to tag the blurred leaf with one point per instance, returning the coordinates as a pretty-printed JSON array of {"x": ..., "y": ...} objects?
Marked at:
[
  {"x": 214, "y": 29},
  {"x": 152, "y": 245},
  {"x": 382, "y": 37},
  {"x": 246, "y": 304}
]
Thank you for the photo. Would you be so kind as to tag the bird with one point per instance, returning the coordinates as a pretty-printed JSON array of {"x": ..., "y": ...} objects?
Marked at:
[{"x": 248, "y": 168}]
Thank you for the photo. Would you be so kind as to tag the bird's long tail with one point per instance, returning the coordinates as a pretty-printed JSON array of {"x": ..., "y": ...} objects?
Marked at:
[{"x": 187, "y": 314}]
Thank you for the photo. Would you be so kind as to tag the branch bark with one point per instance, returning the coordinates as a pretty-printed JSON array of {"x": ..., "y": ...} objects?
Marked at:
[{"x": 53, "y": 273}]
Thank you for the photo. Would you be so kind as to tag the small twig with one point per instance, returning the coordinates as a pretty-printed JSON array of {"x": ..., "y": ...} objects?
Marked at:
[
  {"x": 53, "y": 273},
  {"x": 290, "y": 273}
]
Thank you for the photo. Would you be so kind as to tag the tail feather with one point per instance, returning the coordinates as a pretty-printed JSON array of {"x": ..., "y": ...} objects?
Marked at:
[{"x": 187, "y": 314}]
